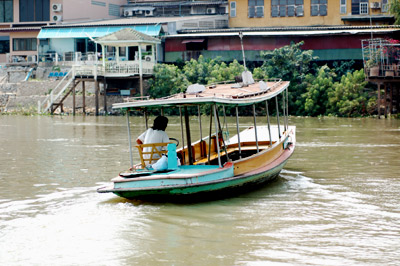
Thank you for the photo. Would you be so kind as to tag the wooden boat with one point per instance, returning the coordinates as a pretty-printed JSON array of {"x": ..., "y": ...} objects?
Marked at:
[{"x": 213, "y": 165}]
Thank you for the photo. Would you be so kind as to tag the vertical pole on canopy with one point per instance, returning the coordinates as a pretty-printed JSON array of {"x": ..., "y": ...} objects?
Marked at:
[
  {"x": 162, "y": 111},
  {"x": 201, "y": 129},
  {"x": 216, "y": 135},
  {"x": 222, "y": 136},
  {"x": 255, "y": 126},
  {"x": 269, "y": 124},
  {"x": 182, "y": 136},
  {"x": 140, "y": 71},
  {"x": 284, "y": 110},
  {"x": 277, "y": 116},
  {"x": 146, "y": 119},
  {"x": 209, "y": 135},
  {"x": 287, "y": 107},
  {"x": 225, "y": 123},
  {"x": 189, "y": 140},
  {"x": 129, "y": 137},
  {"x": 238, "y": 132}
]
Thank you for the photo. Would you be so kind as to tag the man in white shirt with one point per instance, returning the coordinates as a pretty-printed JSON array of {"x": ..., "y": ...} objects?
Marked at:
[{"x": 155, "y": 134}]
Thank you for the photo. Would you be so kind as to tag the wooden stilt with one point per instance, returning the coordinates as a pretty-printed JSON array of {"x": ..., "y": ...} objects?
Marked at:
[
  {"x": 105, "y": 96},
  {"x": 379, "y": 100},
  {"x": 83, "y": 98},
  {"x": 74, "y": 99},
  {"x": 391, "y": 99},
  {"x": 385, "y": 102},
  {"x": 97, "y": 96},
  {"x": 398, "y": 100}
]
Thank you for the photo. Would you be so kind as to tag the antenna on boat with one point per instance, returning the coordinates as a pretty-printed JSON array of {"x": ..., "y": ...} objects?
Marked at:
[{"x": 241, "y": 43}]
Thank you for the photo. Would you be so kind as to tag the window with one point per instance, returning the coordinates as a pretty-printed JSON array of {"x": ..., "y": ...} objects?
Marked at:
[
  {"x": 113, "y": 10},
  {"x": 385, "y": 6},
  {"x": 6, "y": 11},
  {"x": 287, "y": 8},
  {"x": 359, "y": 7},
  {"x": 24, "y": 44},
  {"x": 34, "y": 10},
  {"x": 319, "y": 7},
  {"x": 343, "y": 4},
  {"x": 364, "y": 8},
  {"x": 256, "y": 8},
  {"x": 4, "y": 44},
  {"x": 233, "y": 9}
]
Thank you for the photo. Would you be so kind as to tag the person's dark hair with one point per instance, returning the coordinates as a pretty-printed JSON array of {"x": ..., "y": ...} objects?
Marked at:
[{"x": 160, "y": 123}]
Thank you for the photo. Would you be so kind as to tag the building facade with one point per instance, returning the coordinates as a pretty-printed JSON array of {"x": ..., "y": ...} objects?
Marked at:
[
  {"x": 21, "y": 21},
  {"x": 280, "y": 13}
]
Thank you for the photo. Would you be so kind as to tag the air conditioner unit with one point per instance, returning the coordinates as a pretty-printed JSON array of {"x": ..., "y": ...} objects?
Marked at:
[
  {"x": 56, "y": 7},
  {"x": 128, "y": 13},
  {"x": 376, "y": 5},
  {"x": 148, "y": 58},
  {"x": 211, "y": 10},
  {"x": 57, "y": 18},
  {"x": 149, "y": 13}
]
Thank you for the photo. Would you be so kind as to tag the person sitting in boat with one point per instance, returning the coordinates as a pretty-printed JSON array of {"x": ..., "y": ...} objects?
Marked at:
[{"x": 155, "y": 134}]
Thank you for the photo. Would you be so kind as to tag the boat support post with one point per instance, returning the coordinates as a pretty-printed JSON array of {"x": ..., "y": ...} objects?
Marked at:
[
  {"x": 202, "y": 152},
  {"x": 182, "y": 135},
  {"x": 209, "y": 135},
  {"x": 222, "y": 136},
  {"x": 277, "y": 116},
  {"x": 238, "y": 132},
  {"x": 284, "y": 110},
  {"x": 188, "y": 137},
  {"x": 216, "y": 135},
  {"x": 269, "y": 124},
  {"x": 129, "y": 136},
  {"x": 287, "y": 107},
  {"x": 146, "y": 119},
  {"x": 255, "y": 126}
]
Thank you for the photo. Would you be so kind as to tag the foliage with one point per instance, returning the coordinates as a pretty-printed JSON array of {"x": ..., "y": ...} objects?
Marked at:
[
  {"x": 315, "y": 100},
  {"x": 349, "y": 96},
  {"x": 292, "y": 64},
  {"x": 206, "y": 71},
  {"x": 314, "y": 90},
  {"x": 168, "y": 80},
  {"x": 395, "y": 10}
]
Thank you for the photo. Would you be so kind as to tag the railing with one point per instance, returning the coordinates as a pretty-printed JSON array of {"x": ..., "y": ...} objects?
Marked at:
[
  {"x": 113, "y": 68},
  {"x": 52, "y": 97}
]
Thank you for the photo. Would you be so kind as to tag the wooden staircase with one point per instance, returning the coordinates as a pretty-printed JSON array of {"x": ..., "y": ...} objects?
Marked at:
[{"x": 51, "y": 102}]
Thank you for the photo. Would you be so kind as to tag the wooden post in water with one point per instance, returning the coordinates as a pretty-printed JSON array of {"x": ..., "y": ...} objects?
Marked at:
[
  {"x": 379, "y": 101},
  {"x": 84, "y": 97},
  {"x": 398, "y": 100},
  {"x": 391, "y": 99},
  {"x": 105, "y": 95},
  {"x": 97, "y": 89},
  {"x": 74, "y": 99},
  {"x": 385, "y": 102}
]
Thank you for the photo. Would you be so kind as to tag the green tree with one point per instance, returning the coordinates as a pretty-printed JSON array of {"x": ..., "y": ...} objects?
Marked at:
[
  {"x": 349, "y": 97},
  {"x": 292, "y": 64},
  {"x": 395, "y": 10},
  {"x": 315, "y": 99},
  {"x": 168, "y": 80}
]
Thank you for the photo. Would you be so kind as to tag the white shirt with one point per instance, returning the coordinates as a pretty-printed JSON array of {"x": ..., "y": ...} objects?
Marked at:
[{"x": 153, "y": 136}]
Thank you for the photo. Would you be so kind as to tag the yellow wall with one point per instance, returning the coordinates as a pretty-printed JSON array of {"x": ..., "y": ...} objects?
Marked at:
[{"x": 332, "y": 18}]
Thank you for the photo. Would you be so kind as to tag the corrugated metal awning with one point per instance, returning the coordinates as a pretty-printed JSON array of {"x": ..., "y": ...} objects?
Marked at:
[{"x": 94, "y": 32}]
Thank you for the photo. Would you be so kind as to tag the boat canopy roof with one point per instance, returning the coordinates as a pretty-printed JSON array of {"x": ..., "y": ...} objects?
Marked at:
[{"x": 224, "y": 94}]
